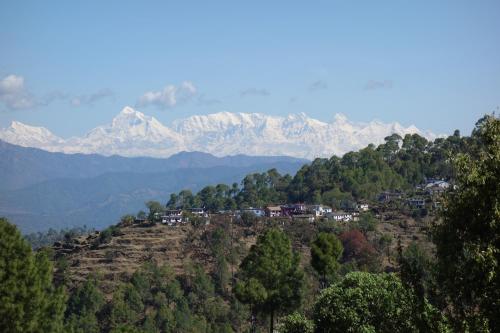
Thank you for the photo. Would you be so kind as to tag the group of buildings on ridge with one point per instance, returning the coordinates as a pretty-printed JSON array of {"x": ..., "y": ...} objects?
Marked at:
[
  {"x": 300, "y": 211},
  {"x": 178, "y": 216},
  {"x": 429, "y": 192},
  {"x": 297, "y": 211}
]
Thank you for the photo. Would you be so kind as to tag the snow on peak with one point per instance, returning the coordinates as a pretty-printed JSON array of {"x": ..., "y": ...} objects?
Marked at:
[
  {"x": 412, "y": 129},
  {"x": 340, "y": 118},
  {"x": 128, "y": 110},
  {"x": 128, "y": 117},
  {"x": 19, "y": 126},
  {"x": 23, "y": 129},
  {"x": 29, "y": 136},
  {"x": 132, "y": 133}
]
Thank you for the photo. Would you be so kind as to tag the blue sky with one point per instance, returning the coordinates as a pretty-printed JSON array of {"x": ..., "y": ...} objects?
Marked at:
[{"x": 71, "y": 66}]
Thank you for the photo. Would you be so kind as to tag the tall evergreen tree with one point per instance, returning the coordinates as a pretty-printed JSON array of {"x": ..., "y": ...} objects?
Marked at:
[
  {"x": 326, "y": 250},
  {"x": 83, "y": 305},
  {"x": 29, "y": 302},
  {"x": 270, "y": 277}
]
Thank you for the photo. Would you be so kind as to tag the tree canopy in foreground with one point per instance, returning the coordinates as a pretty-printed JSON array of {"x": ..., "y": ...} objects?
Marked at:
[
  {"x": 468, "y": 239},
  {"x": 28, "y": 300},
  {"x": 366, "y": 302}
]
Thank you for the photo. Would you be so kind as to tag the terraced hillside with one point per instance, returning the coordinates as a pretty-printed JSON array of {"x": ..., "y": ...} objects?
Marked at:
[
  {"x": 115, "y": 259},
  {"x": 133, "y": 246},
  {"x": 127, "y": 251}
]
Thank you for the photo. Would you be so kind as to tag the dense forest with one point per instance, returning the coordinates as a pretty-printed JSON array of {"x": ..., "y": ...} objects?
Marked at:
[{"x": 338, "y": 287}]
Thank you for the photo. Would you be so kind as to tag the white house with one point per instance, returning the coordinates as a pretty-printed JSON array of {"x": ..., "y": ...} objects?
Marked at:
[
  {"x": 319, "y": 210},
  {"x": 436, "y": 186},
  {"x": 363, "y": 207},
  {"x": 198, "y": 211},
  {"x": 340, "y": 216},
  {"x": 172, "y": 217},
  {"x": 273, "y": 211}
]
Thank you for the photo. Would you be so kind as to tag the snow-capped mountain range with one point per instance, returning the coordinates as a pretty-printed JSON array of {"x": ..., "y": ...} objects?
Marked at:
[{"x": 132, "y": 133}]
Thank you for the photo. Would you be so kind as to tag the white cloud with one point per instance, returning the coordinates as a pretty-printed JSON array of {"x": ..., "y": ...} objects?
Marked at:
[
  {"x": 12, "y": 84},
  {"x": 189, "y": 87},
  {"x": 169, "y": 97},
  {"x": 15, "y": 96},
  {"x": 13, "y": 93}
]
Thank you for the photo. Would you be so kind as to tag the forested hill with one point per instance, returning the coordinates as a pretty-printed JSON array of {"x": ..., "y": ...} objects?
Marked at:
[{"x": 398, "y": 164}]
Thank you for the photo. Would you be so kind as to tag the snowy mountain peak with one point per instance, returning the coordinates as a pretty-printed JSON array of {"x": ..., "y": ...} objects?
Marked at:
[
  {"x": 19, "y": 126},
  {"x": 22, "y": 129},
  {"x": 16, "y": 123},
  {"x": 128, "y": 110},
  {"x": 129, "y": 117},
  {"x": 340, "y": 118},
  {"x": 132, "y": 133},
  {"x": 29, "y": 136}
]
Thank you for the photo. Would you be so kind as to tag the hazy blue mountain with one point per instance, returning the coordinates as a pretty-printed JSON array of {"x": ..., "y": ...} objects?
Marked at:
[
  {"x": 21, "y": 166},
  {"x": 40, "y": 190}
]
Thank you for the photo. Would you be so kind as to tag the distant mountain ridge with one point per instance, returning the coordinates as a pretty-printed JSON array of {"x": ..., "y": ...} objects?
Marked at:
[
  {"x": 40, "y": 189},
  {"x": 21, "y": 166},
  {"x": 132, "y": 133}
]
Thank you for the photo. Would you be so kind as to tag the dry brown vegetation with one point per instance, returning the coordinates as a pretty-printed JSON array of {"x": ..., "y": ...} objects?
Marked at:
[
  {"x": 178, "y": 246},
  {"x": 135, "y": 245}
]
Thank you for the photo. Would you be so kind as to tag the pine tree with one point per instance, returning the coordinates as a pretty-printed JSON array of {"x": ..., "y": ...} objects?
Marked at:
[
  {"x": 29, "y": 302},
  {"x": 326, "y": 250},
  {"x": 83, "y": 305},
  {"x": 271, "y": 280}
]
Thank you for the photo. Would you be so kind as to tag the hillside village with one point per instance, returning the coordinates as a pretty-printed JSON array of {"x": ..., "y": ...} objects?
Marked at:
[
  {"x": 426, "y": 197},
  {"x": 174, "y": 236}
]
